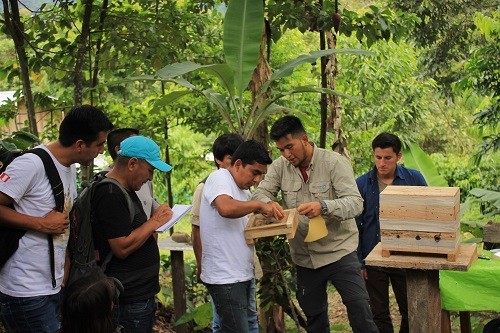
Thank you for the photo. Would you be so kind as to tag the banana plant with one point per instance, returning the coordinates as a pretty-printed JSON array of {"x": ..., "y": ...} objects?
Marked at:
[
  {"x": 243, "y": 24},
  {"x": 416, "y": 158}
]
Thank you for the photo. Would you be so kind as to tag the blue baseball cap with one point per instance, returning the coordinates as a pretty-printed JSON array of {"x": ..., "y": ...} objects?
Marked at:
[{"x": 144, "y": 148}]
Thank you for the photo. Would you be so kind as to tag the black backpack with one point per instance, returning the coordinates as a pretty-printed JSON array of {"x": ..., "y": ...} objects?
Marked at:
[
  {"x": 9, "y": 237},
  {"x": 81, "y": 241}
]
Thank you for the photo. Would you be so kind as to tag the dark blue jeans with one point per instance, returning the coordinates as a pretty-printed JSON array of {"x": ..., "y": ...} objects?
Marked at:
[
  {"x": 232, "y": 303},
  {"x": 253, "y": 316},
  {"x": 30, "y": 314},
  {"x": 137, "y": 317},
  {"x": 345, "y": 275}
]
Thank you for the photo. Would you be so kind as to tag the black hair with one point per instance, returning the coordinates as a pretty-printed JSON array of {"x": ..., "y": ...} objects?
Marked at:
[
  {"x": 115, "y": 137},
  {"x": 87, "y": 305},
  {"x": 83, "y": 122},
  {"x": 286, "y": 125},
  {"x": 250, "y": 152},
  {"x": 226, "y": 144},
  {"x": 387, "y": 140}
]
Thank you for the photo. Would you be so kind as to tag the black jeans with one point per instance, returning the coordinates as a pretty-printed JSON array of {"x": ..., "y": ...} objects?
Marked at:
[
  {"x": 345, "y": 274},
  {"x": 378, "y": 289}
]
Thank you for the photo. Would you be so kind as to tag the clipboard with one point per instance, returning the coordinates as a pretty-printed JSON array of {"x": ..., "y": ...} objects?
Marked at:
[{"x": 179, "y": 212}]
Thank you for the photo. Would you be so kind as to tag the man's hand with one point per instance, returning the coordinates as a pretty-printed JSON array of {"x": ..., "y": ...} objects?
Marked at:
[
  {"x": 272, "y": 209},
  {"x": 54, "y": 223},
  {"x": 310, "y": 209},
  {"x": 162, "y": 215},
  {"x": 364, "y": 274}
]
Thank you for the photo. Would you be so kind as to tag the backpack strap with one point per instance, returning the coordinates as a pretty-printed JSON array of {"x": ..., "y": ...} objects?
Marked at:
[
  {"x": 131, "y": 209},
  {"x": 58, "y": 191}
]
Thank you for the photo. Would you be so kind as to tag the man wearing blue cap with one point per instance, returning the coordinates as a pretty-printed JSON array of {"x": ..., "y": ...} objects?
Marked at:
[{"x": 136, "y": 258}]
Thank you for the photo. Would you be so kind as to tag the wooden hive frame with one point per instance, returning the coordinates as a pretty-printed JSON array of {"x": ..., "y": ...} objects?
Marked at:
[{"x": 260, "y": 226}]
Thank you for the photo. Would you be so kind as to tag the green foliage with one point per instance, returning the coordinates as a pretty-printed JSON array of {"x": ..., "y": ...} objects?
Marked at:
[
  {"x": 241, "y": 114},
  {"x": 201, "y": 315},
  {"x": 242, "y": 46},
  {"x": 18, "y": 140},
  {"x": 491, "y": 198},
  {"x": 414, "y": 157},
  {"x": 446, "y": 32},
  {"x": 483, "y": 78},
  {"x": 199, "y": 310},
  {"x": 369, "y": 25}
]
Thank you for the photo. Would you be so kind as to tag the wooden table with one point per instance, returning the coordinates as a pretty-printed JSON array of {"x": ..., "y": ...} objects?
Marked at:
[
  {"x": 422, "y": 277},
  {"x": 178, "y": 277}
]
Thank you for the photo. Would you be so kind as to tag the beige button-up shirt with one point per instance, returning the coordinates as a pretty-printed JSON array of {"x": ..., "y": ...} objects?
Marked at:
[{"x": 330, "y": 179}]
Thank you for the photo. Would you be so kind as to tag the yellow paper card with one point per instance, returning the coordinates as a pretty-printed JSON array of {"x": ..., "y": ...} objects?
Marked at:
[{"x": 317, "y": 229}]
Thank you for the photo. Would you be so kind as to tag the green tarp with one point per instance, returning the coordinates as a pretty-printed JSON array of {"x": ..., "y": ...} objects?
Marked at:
[{"x": 478, "y": 289}]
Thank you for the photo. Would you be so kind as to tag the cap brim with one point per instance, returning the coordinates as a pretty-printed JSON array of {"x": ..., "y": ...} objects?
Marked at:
[{"x": 160, "y": 165}]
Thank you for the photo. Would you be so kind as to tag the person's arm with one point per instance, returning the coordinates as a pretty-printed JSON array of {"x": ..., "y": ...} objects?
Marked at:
[
  {"x": 52, "y": 223},
  {"x": 197, "y": 248},
  {"x": 231, "y": 208},
  {"x": 122, "y": 247},
  {"x": 195, "y": 228},
  {"x": 360, "y": 222},
  {"x": 348, "y": 203}
]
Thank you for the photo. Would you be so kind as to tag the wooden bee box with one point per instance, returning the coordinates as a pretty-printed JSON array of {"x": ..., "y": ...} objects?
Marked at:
[
  {"x": 261, "y": 226},
  {"x": 420, "y": 219}
]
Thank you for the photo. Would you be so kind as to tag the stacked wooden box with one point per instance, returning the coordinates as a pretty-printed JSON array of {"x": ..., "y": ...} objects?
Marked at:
[
  {"x": 421, "y": 219},
  {"x": 260, "y": 226}
]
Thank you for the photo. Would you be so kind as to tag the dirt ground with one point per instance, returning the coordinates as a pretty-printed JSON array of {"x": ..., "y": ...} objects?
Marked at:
[{"x": 338, "y": 318}]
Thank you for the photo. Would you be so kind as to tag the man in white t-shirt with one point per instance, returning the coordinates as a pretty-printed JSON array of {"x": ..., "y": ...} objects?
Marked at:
[
  {"x": 28, "y": 299},
  {"x": 227, "y": 259}
]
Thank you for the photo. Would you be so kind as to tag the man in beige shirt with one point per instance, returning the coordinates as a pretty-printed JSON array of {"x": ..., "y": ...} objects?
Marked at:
[{"x": 319, "y": 183}]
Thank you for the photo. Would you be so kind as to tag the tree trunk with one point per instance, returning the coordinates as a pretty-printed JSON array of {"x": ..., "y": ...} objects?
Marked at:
[
  {"x": 86, "y": 172},
  {"x": 81, "y": 52},
  {"x": 100, "y": 28},
  {"x": 16, "y": 30},
  {"x": 333, "y": 122},
  {"x": 261, "y": 74}
]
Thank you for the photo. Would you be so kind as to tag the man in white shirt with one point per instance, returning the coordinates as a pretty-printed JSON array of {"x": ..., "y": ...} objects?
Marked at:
[
  {"x": 28, "y": 297},
  {"x": 227, "y": 259}
]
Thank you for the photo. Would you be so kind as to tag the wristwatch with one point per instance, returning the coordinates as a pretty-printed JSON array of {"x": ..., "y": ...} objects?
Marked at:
[{"x": 324, "y": 207}]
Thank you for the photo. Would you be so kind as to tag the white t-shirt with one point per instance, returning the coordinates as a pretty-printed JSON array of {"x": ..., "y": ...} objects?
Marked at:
[
  {"x": 226, "y": 258},
  {"x": 27, "y": 273}
]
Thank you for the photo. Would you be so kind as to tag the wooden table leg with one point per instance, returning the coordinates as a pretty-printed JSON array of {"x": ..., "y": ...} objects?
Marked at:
[
  {"x": 179, "y": 288},
  {"x": 424, "y": 301},
  {"x": 465, "y": 326},
  {"x": 445, "y": 321}
]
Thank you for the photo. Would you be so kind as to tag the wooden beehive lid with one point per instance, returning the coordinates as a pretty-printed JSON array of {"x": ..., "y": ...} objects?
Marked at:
[{"x": 421, "y": 191}]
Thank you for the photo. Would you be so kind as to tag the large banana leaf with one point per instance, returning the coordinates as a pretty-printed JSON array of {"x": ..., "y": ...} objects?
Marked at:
[
  {"x": 243, "y": 24},
  {"x": 222, "y": 72},
  {"x": 491, "y": 197},
  {"x": 416, "y": 158}
]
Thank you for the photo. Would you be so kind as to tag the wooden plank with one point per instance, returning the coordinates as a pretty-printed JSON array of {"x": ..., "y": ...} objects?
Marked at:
[
  {"x": 467, "y": 254},
  {"x": 398, "y": 209},
  {"x": 424, "y": 301},
  {"x": 179, "y": 288},
  {"x": 417, "y": 241},
  {"x": 418, "y": 225},
  {"x": 421, "y": 191},
  {"x": 491, "y": 232}
]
